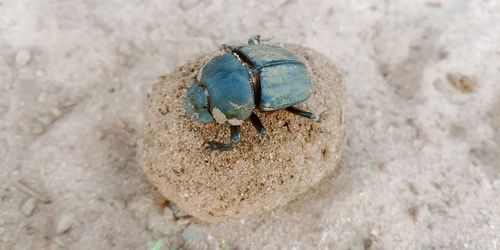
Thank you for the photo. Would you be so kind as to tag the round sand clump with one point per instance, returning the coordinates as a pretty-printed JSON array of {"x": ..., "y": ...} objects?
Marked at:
[{"x": 255, "y": 176}]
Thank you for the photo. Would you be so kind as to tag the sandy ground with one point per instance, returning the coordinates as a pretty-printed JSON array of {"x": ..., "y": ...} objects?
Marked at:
[{"x": 421, "y": 167}]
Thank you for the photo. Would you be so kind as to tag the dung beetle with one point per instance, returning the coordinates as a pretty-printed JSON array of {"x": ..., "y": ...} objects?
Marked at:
[{"x": 242, "y": 78}]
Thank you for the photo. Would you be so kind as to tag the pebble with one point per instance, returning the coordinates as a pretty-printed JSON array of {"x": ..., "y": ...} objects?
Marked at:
[
  {"x": 462, "y": 82},
  {"x": 191, "y": 234},
  {"x": 29, "y": 206},
  {"x": 184, "y": 221},
  {"x": 23, "y": 58},
  {"x": 56, "y": 112},
  {"x": 64, "y": 224},
  {"x": 168, "y": 213},
  {"x": 177, "y": 212}
]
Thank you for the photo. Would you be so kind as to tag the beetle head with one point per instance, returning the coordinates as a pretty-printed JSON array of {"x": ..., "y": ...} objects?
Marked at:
[{"x": 196, "y": 104}]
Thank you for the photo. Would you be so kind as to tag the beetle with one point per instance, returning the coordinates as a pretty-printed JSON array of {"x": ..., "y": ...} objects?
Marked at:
[{"x": 231, "y": 85}]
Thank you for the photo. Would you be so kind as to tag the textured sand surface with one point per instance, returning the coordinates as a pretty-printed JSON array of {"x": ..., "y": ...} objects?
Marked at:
[
  {"x": 255, "y": 176},
  {"x": 420, "y": 168}
]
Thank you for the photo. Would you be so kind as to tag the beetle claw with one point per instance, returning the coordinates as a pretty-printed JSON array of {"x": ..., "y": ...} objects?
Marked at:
[{"x": 261, "y": 139}]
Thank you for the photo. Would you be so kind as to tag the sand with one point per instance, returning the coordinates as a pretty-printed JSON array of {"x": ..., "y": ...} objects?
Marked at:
[{"x": 420, "y": 169}]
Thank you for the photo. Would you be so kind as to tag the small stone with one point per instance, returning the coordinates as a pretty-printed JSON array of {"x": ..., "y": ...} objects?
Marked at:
[
  {"x": 177, "y": 212},
  {"x": 56, "y": 112},
  {"x": 191, "y": 234},
  {"x": 23, "y": 58},
  {"x": 64, "y": 224},
  {"x": 368, "y": 243},
  {"x": 462, "y": 82},
  {"x": 183, "y": 221},
  {"x": 168, "y": 213},
  {"x": 29, "y": 206}
]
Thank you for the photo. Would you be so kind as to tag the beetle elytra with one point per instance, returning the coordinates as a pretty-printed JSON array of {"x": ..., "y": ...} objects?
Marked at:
[{"x": 231, "y": 85}]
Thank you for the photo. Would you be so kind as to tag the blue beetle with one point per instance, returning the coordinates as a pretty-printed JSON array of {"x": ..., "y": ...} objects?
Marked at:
[{"x": 242, "y": 78}]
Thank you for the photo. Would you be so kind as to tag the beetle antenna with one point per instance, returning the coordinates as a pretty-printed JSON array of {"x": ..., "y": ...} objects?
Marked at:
[
  {"x": 258, "y": 39},
  {"x": 267, "y": 39},
  {"x": 254, "y": 40}
]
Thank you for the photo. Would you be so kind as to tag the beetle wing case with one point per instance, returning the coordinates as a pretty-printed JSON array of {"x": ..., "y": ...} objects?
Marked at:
[
  {"x": 283, "y": 86},
  {"x": 284, "y": 80}
]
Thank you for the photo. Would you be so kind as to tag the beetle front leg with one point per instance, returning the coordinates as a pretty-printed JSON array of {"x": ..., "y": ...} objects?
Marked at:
[
  {"x": 235, "y": 138},
  {"x": 306, "y": 114},
  {"x": 258, "y": 125}
]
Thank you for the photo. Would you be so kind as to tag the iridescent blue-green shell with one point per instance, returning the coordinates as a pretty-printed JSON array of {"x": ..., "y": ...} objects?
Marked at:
[
  {"x": 284, "y": 80},
  {"x": 228, "y": 84},
  {"x": 229, "y": 88}
]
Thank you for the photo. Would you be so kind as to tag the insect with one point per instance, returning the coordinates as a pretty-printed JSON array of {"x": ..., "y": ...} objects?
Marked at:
[{"x": 230, "y": 86}]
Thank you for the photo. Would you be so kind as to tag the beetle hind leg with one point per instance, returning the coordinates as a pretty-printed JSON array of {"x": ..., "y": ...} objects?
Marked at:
[
  {"x": 235, "y": 139},
  {"x": 306, "y": 114},
  {"x": 258, "y": 125}
]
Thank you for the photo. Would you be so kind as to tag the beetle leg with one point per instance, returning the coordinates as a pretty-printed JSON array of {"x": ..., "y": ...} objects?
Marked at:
[
  {"x": 306, "y": 114},
  {"x": 235, "y": 138},
  {"x": 226, "y": 48},
  {"x": 258, "y": 125}
]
